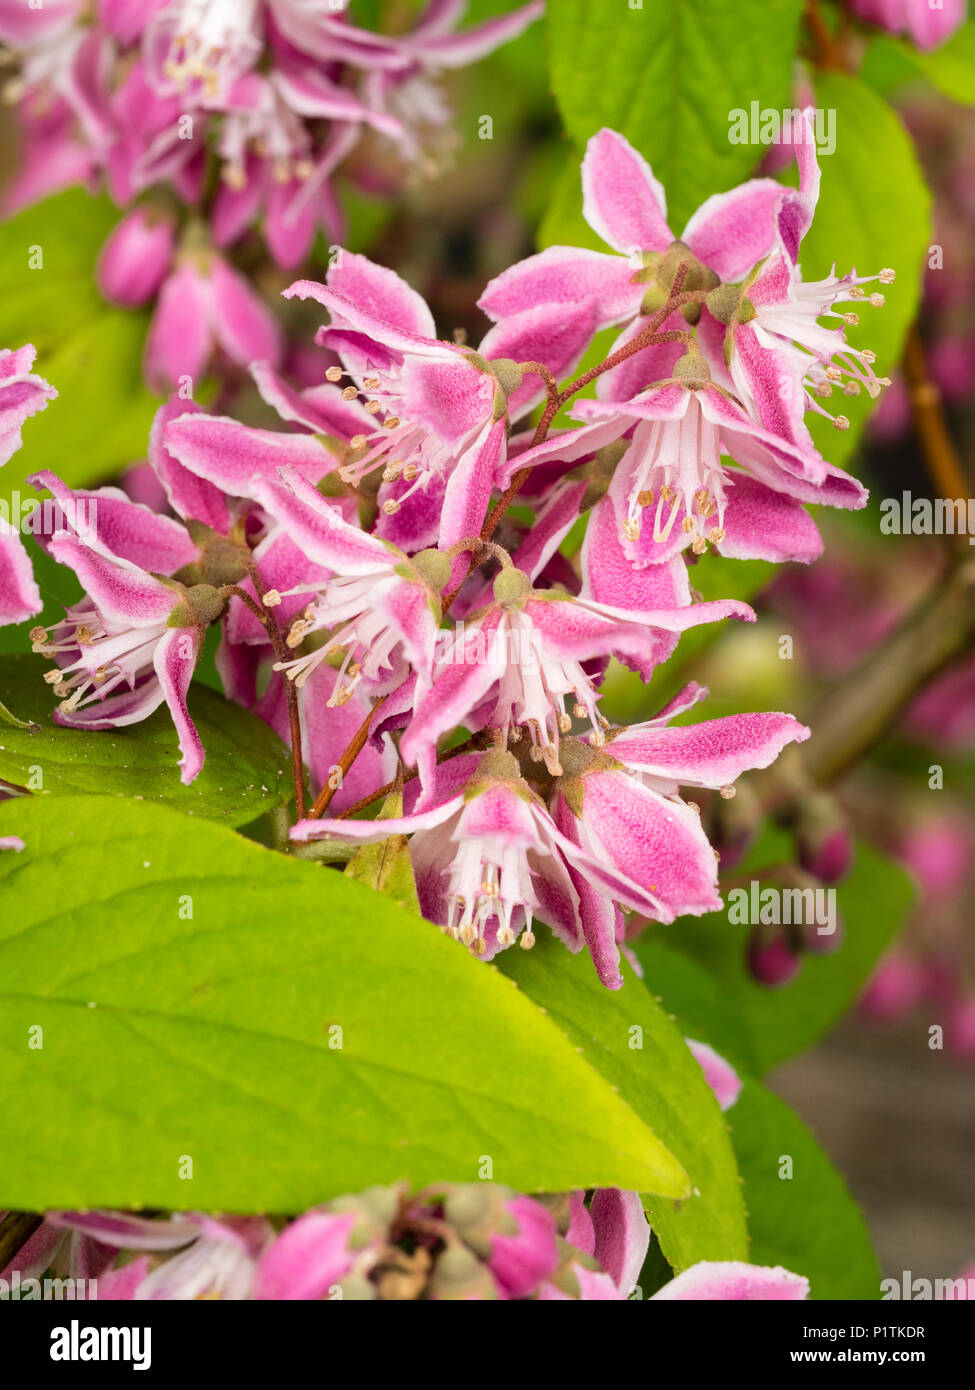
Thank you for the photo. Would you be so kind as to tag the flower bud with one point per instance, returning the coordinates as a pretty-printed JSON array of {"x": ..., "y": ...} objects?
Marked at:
[
  {"x": 771, "y": 961},
  {"x": 823, "y": 840},
  {"x": 460, "y": 1276},
  {"x": 136, "y": 258}
]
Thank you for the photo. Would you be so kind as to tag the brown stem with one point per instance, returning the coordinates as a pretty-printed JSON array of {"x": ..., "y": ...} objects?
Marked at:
[
  {"x": 346, "y": 761},
  {"x": 859, "y": 711},
  {"x": 403, "y": 776},
  {"x": 828, "y": 53},
  {"x": 940, "y": 454}
]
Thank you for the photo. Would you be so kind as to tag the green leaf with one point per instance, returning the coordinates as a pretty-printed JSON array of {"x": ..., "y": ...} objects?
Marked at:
[
  {"x": 951, "y": 67},
  {"x": 873, "y": 902},
  {"x": 668, "y": 77},
  {"x": 247, "y": 768},
  {"x": 807, "y": 1222},
  {"x": 88, "y": 349},
  {"x": 387, "y": 866},
  {"x": 663, "y": 1083},
  {"x": 873, "y": 212},
  {"x": 213, "y": 1036},
  {"x": 891, "y": 63}
]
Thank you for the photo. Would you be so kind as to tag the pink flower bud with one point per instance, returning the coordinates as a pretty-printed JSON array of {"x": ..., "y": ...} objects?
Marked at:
[
  {"x": 894, "y": 989},
  {"x": 136, "y": 258},
  {"x": 823, "y": 841},
  {"x": 771, "y": 962}
]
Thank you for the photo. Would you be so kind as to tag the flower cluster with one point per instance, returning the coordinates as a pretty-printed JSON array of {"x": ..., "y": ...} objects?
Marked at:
[
  {"x": 206, "y": 118},
  {"x": 467, "y": 1242},
  {"x": 379, "y": 604}
]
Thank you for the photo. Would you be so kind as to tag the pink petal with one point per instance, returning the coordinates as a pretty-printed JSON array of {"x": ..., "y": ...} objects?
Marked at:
[
  {"x": 622, "y": 1235},
  {"x": 117, "y": 527},
  {"x": 382, "y": 293},
  {"x": 319, "y": 528},
  {"x": 731, "y": 232},
  {"x": 362, "y": 320},
  {"x": 655, "y": 842},
  {"x": 622, "y": 201},
  {"x": 566, "y": 275},
  {"x": 712, "y": 754},
  {"x": 192, "y": 497},
  {"x": 175, "y": 661},
  {"x": 469, "y": 489},
  {"x": 178, "y": 342},
  {"x": 449, "y": 397},
  {"x": 231, "y": 455},
  {"x": 731, "y": 1280},
  {"x": 125, "y": 594},
  {"x": 22, "y": 394},
  {"x": 244, "y": 326},
  {"x": 556, "y": 335},
  {"x": 721, "y": 1075},
  {"x": 460, "y": 50},
  {"x": 760, "y": 524},
  {"x": 307, "y": 1258},
  {"x": 320, "y": 409},
  {"x": 20, "y": 597}
]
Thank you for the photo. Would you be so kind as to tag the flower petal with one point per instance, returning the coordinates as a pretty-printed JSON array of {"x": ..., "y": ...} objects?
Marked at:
[
  {"x": 712, "y": 754},
  {"x": 622, "y": 201},
  {"x": 175, "y": 661},
  {"x": 731, "y": 232},
  {"x": 721, "y": 1075},
  {"x": 732, "y": 1280},
  {"x": 20, "y": 597},
  {"x": 565, "y": 275}
]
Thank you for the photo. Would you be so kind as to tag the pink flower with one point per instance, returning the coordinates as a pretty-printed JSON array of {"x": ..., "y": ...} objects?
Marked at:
[
  {"x": 781, "y": 359},
  {"x": 927, "y": 24},
  {"x": 382, "y": 608},
  {"x": 626, "y": 205},
  {"x": 22, "y": 394},
  {"x": 523, "y": 657},
  {"x": 620, "y": 802},
  {"x": 488, "y": 857},
  {"x": 671, "y": 490},
  {"x": 133, "y": 641}
]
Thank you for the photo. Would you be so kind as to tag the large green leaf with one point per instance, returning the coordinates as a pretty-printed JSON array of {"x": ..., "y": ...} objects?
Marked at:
[
  {"x": 88, "y": 349},
  {"x": 629, "y": 1040},
  {"x": 800, "y": 1213},
  {"x": 297, "y": 1036},
  {"x": 873, "y": 902},
  {"x": 874, "y": 211},
  {"x": 247, "y": 769},
  {"x": 668, "y": 76}
]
